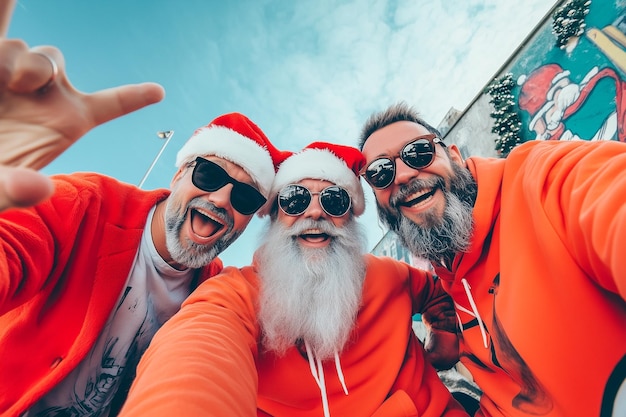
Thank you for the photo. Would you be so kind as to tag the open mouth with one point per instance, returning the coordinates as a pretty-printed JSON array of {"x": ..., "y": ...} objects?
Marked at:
[
  {"x": 314, "y": 236},
  {"x": 204, "y": 224},
  {"x": 419, "y": 198}
]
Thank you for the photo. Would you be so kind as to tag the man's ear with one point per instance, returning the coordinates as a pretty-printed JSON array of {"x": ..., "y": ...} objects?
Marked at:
[
  {"x": 455, "y": 154},
  {"x": 178, "y": 175}
]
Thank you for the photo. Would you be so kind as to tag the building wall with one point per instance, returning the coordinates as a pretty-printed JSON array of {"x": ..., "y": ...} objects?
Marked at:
[{"x": 561, "y": 94}]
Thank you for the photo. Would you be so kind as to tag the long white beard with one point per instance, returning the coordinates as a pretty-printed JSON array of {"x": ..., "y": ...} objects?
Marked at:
[{"x": 310, "y": 294}]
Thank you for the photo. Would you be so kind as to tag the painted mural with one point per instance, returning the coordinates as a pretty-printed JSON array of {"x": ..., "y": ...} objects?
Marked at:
[{"x": 576, "y": 91}]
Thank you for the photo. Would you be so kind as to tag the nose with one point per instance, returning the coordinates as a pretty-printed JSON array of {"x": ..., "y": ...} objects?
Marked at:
[
  {"x": 404, "y": 173},
  {"x": 314, "y": 211},
  {"x": 221, "y": 197}
]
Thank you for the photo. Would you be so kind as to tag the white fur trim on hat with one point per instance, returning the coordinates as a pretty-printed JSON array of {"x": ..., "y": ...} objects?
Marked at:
[
  {"x": 233, "y": 146},
  {"x": 320, "y": 164}
]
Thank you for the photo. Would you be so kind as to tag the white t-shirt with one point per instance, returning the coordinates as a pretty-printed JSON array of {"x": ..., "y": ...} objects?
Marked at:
[{"x": 153, "y": 292}]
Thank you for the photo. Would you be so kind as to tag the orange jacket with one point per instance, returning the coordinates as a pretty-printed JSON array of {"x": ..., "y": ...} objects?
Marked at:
[
  {"x": 546, "y": 273},
  {"x": 63, "y": 265},
  {"x": 206, "y": 361}
]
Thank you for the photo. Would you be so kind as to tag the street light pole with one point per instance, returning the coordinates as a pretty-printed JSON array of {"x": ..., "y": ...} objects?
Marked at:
[{"x": 167, "y": 135}]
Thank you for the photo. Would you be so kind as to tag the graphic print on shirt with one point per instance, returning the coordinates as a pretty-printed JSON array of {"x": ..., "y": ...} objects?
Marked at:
[
  {"x": 532, "y": 398},
  {"x": 93, "y": 393}
]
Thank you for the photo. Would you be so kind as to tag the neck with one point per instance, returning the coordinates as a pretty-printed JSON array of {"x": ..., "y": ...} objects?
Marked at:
[{"x": 157, "y": 229}]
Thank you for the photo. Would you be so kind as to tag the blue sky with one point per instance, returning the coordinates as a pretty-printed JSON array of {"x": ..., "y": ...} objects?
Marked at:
[{"x": 302, "y": 70}]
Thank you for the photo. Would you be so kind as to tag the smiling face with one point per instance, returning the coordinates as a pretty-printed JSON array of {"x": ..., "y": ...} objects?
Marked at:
[
  {"x": 311, "y": 268},
  {"x": 199, "y": 224},
  {"x": 313, "y": 237},
  {"x": 422, "y": 204},
  {"x": 430, "y": 208}
]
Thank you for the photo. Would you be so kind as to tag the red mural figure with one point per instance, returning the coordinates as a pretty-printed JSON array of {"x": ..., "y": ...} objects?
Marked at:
[{"x": 559, "y": 109}]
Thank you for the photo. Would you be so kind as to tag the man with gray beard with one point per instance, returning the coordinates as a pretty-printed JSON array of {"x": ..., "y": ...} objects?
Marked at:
[
  {"x": 518, "y": 243},
  {"x": 95, "y": 266},
  {"x": 314, "y": 327}
]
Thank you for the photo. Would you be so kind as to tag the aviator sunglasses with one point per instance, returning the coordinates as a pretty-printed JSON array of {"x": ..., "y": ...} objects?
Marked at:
[
  {"x": 418, "y": 154},
  {"x": 208, "y": 176},
  {"x": 294, "y": 199}
]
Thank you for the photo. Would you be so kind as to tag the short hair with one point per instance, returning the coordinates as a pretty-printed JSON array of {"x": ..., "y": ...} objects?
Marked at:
[{"x": 395, "y": 113}]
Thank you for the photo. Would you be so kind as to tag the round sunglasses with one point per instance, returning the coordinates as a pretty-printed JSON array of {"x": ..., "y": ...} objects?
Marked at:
[
  {"x": 418, "y": 154},
  {"x": 209, "y": 176},
  {"x": 294, "y": 199}
]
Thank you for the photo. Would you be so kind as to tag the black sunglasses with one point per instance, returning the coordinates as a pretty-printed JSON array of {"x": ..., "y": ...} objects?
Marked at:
[
  {"x": 418, "y": 154},
  {"x": 208, "y": 176},
  {"x": 294, "y": 199}
]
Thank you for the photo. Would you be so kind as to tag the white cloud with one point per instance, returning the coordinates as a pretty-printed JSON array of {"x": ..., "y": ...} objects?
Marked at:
[{"x": 330, "y": 64}]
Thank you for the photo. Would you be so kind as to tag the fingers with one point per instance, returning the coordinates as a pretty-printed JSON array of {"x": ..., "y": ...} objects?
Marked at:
[
  {"x": 55, "y": 72},
  {"x": 36, "y": 70},
  {"x": 118, "y": 101},
  {"x": 21, "y": 187},
  {"x": 6, "y": 11}
]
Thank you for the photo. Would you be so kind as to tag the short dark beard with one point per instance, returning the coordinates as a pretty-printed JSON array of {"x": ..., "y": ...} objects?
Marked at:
[
  {"x": 438, "y": 239},
  {"x": 189, "y": 253}
]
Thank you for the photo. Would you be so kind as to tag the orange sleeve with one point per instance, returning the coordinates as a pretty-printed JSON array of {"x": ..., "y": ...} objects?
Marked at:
[
  {"x": 581, "y": 188},
  {"x": 431, "y": 300},
  {"x": 34, "y": 241},
  {"x": 595, "y": 214},
  {"x": 201, "y": 362},
  {"x": 437, "y": 308}
]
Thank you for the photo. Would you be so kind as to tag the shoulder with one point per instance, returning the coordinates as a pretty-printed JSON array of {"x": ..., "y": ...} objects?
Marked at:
[
  {"x": 575, "y": 149},
  {"x": 554, "y": 159},
  {"x": 105, "y": 190},
  {"x": 389, "y": 266}
]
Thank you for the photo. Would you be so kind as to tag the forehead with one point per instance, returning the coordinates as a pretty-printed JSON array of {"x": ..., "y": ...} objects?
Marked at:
[
  {"x": 315, "y": 184},
  {"x": 391, "y": 138}
]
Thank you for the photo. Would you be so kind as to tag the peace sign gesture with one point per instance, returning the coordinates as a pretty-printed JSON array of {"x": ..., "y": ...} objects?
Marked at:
[{"x": 42, "y": 114}]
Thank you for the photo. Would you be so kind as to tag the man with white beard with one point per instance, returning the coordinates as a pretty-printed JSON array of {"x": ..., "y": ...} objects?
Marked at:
[{"x": 313, "y": 327}]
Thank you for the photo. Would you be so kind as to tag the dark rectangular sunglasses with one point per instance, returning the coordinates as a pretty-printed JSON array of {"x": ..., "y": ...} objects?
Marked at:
[
  {"x": 294, "y": 199},
  {"x": 209, "y": 176},
  {"x": 418, "y": 153}
]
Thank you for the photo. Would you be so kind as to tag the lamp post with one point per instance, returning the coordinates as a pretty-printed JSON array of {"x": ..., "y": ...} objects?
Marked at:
[{"x": 167, "y": 135}]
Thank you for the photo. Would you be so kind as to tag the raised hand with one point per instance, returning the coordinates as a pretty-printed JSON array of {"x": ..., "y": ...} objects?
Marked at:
[{"x": 42, "y": 114}]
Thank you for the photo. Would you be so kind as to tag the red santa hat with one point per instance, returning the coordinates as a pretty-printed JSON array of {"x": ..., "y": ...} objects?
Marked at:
[
  {"x": 538, "y": 90},
  {"x": 338, "y": 164},
  {"x": 236, "y": 138}
]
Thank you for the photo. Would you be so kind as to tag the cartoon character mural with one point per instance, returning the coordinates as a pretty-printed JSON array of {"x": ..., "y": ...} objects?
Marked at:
[
  {"x": 558, "y": 106},
  {"x": 579, "y": 103}
]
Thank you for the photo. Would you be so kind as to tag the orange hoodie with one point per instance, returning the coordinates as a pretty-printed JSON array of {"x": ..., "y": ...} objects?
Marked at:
[
  {"x": 540, "y": 293},
  {"x": 63, "y": 265},
  {"x": 206, "y": 360}
]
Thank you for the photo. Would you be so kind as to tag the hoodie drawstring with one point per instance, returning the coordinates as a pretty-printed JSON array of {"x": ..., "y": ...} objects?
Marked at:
[
  {"x": 318, "y": 374},
  {"x": 474, "y": 312},
  {"x": 340, "y": 373}
]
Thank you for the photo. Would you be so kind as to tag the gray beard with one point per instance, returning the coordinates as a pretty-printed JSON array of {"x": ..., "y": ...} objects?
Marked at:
[
  {"x": 310, "y": 294},
  {"x": 438, "y": 239},
  {"x": 189, "y": 253}
]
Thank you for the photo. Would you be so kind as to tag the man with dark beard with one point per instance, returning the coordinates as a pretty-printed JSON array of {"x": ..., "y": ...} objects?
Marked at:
[
  {"x": 313, "y": 327},
  {"x": 519, "y": 244}
]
